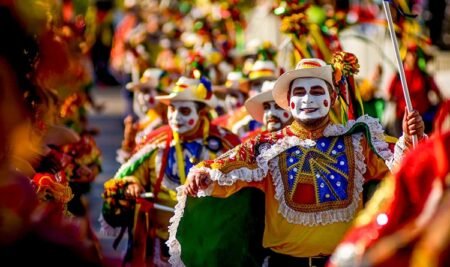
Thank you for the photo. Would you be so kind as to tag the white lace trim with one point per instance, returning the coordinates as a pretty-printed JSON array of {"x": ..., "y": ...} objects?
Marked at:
[
  {"x": 281, "y": 145},
  {"x": 265, "y": 154},
  {"x": 399, "y": 152},
  {"x": 242, "y": 174},
  {"x": 173, "y": 243}
]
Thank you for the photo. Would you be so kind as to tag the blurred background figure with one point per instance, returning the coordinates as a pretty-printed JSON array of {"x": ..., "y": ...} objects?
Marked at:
[
  {"x": 35, "y": 191},
  {"x": 421, "y": 87},
  {"x": 373, "y": 101},
  {"x": 101, "y": 49}
]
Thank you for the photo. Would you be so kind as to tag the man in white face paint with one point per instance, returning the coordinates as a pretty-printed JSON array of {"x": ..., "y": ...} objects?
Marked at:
[
  {"x": 150, "y": 112},
  {"x": 312, "y": 171},
  {"x": 235, "y": 92},
  {"x": 262, "y": 107},
  {"x": 160, "y": 165},
  {"x": 242, "y": 123}
]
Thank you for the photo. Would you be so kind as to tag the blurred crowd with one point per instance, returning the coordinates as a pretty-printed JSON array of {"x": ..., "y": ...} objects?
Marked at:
[{"x": 54, "y": 53}]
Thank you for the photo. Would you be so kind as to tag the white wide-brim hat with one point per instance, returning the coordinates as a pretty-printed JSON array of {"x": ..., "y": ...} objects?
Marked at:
[
  {"x": 306, "y": 68},
  {"x": 263, "y": 70},
  {"x": 254, "y": 104},
  {"x": 187, "y": 89},
  {"x": 150, "y": 79}
]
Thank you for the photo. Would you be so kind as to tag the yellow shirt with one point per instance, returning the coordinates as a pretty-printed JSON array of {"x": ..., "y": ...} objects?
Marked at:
[{"x": 297, "y": 239}]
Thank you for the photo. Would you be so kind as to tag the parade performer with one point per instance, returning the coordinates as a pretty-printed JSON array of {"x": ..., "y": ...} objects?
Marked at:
[
  {"x": 262, "y": 107},
  {"x": 235, "y": 90},
  {"x": 406, "y": 221},
  {"x": 160, "y": 165},
  {"x": 420, "y": 83},
  {"x": 261, "y": 71},
  {"x": 150, "y": 113},
  {"x": 312, "y": 171}
]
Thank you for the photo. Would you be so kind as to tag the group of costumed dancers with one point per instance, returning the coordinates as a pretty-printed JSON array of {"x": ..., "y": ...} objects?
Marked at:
[
  {"x": 269, "y": 167},
  {"x": 234, "y": 153}
]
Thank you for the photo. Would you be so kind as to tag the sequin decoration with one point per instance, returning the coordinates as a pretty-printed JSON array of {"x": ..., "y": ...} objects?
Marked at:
[{"x": 326, "y": 167}]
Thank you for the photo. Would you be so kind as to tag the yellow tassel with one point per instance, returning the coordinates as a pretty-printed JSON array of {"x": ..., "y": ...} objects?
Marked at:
[
  {"x": 205, "y": 129},
  {"x": 180, "y": 159},
  {"x": 359, "y": 99},
  {"x": 404, "y": 6}
]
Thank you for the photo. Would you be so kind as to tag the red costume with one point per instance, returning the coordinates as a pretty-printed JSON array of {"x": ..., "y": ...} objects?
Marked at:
[{"x": 400, "y": 212}]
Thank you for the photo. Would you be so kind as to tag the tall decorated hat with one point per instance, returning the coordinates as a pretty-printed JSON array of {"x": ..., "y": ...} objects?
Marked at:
[
  {"x": 306, "y": 68},
  {"x": 254, "y": 105},
  {"x": 188, "y": 89}
]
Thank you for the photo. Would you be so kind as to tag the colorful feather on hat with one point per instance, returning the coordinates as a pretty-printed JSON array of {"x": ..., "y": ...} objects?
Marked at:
[{"x": 345, "y": 66}]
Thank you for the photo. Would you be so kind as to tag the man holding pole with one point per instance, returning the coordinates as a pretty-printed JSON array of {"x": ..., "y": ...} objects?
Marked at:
[{"x": 312, "y": 171}]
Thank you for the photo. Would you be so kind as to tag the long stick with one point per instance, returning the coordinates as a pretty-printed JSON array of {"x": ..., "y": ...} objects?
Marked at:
[{"x": 409, "y": 106}]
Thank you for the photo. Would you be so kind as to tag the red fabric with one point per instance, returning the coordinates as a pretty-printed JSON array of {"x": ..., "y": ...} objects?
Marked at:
[
  {"x": 252, "y": 134},
  {"x": 221, "y": 121},
  {"x": 419, "y": 84},
  {"x": 442, "y": 116},
  {"x": 128, "y": 22},
  {"x": 304, "y": 194},
  {"x": 413, "y": 183}
]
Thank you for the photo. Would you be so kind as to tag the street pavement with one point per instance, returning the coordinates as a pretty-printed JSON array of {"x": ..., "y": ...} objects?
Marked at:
[{"x": 109, "y": 122}]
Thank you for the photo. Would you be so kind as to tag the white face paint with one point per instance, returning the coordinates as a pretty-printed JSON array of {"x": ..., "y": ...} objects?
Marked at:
[
  {"x": 145, "y": 99},
  {"x": 234, "y": 100},
  {"x": 275, "y": 118},
  {"x": 183, "y": 116},
  {"x": 255, "y": 87},
  {"x": 310, "y": 99}
]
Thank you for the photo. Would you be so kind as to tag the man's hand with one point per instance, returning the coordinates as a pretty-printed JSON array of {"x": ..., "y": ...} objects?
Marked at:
[
  {"x": 134, "y": 190},
  {"x": 413, "y": 125},
  {"x": 196, "y": 181}
]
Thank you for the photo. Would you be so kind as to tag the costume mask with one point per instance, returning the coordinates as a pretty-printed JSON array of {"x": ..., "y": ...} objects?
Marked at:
[
  {"x": 275, "y": 117},
  {"x": 145, "y": 99},
  {"x": 183, "y": 116},
  {"x": 309, "y": 99}
]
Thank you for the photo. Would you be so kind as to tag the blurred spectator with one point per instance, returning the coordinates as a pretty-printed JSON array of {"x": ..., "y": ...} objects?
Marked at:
[
  {"x": 118, "y": 59},
  {"x": 437, "y": 9},
  {"x": 103, "y": 42},
  {"x": 420, "y": 84},
  {"x": 32, "y": 232}
]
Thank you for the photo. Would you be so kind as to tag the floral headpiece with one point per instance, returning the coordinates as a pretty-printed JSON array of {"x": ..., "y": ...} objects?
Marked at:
[{"x": 345, "y": 66}]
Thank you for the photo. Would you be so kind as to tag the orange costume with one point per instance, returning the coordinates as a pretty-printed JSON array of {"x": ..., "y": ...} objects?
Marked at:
[{"x": 313, "y": 181}]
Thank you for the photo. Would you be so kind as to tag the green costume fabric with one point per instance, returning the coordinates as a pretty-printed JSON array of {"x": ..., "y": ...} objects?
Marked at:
[
  {"x": 375, "y": 108},
  {"x": 217, "y": 232}
]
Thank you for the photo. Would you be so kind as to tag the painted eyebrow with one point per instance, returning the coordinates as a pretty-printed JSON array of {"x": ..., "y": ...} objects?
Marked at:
[
  {"x": 298, "y": 88},
  {"x": 317, "y": 87}
]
